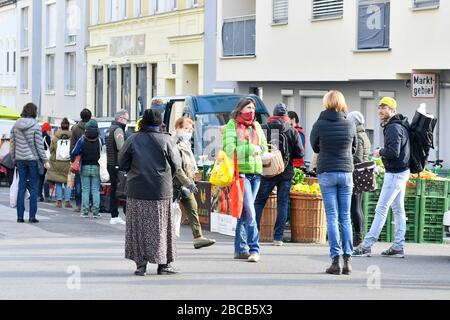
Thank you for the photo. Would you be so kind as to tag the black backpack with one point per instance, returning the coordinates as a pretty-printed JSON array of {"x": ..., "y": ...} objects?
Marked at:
[
  {"x": 421, "y": 141},
  {"x": 280, "y": 140}
]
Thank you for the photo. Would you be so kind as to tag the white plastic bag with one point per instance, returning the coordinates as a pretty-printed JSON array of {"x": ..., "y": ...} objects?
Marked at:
[
  {"x": 176, "y": 217},
  {"x": 14, "y": 190},
  {"x": 104, "y": 175}
]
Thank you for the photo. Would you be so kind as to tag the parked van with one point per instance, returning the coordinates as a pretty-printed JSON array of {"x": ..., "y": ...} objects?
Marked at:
[{"x": 209, "y": 112}]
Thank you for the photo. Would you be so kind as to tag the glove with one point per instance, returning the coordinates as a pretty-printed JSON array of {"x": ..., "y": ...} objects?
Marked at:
[{"x": 192, "y": 188}]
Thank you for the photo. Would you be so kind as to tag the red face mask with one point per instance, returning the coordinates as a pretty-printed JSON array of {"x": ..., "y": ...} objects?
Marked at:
[{"x": 248, "y": 116}]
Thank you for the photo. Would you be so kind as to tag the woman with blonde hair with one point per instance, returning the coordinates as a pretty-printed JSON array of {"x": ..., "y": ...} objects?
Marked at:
[{"x": 334, "y": 138}]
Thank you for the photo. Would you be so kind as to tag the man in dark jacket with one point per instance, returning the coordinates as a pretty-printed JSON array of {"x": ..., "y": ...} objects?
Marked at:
[
  {"x": 115, "y": 139},
  {"x": 295, "y": 123},
  {"x": 77, "y": 132},
  {"x": 279, "y": 126},
  {"x": 395, "y": 156}
]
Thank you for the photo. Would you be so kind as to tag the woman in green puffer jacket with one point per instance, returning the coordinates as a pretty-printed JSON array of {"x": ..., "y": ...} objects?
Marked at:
[{"x": 243, "y": 135}]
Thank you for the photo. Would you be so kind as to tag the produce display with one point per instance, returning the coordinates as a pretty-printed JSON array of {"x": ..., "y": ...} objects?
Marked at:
[{"x": 300, "y": 186}]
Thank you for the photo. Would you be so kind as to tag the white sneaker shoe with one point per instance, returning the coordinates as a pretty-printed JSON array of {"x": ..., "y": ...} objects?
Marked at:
[
  {"x": 278, "y": 243},
  {"x": 117, "y": 220}
]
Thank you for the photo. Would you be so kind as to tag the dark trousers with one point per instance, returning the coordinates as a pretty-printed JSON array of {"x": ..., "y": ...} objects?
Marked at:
[
  {"x": 265, "y": 189},
  {"x": 28, "y": 180},
  {"x": 44, "y": 186},
  {"x": 114, "y": 179},
  {"x": 78, "y": 190},
  {"x": 357, "y": 213}
]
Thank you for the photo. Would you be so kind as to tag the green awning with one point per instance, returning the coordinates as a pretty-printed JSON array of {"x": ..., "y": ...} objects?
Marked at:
[{"x": 7, "y": 113}]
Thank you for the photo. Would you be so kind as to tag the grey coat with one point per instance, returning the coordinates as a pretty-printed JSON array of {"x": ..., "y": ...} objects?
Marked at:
[
  {"x": 363, "y": 150},
  {"x": 27, "y": 141}
]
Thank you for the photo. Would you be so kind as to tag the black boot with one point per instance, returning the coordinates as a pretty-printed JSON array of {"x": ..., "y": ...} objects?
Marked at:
[
  {"x": 166, "y": 269},
  {"x": 357, "y": 239},
  {"x": 347, "y": 269},
  {"x": 335, "y": 268},
  {"x": 141, "y": 269}
]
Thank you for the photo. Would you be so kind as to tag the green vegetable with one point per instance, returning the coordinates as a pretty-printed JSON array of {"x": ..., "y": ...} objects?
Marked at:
[{"x": 299, "y": 176}]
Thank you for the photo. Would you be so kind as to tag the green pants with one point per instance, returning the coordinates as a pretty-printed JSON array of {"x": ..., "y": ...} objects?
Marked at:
[{"x": 189, "y": 207}]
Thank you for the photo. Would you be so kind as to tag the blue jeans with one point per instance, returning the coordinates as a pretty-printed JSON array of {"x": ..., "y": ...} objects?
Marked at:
[
  {"x": 336, "y": 188},
  {"x": 90, "y": 176},
  {"x": 392, "y": 194},
  {"x": 28, "y": 179},
  {"x": 247, "y": 236},
  {"x": 67, "y": 192},
  {"x": 78, "y": 189},
  {"x": 283, "y": 188}
]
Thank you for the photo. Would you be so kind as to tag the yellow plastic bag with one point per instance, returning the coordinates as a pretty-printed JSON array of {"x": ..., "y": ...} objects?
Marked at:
[{"x": 222, "y": 172}]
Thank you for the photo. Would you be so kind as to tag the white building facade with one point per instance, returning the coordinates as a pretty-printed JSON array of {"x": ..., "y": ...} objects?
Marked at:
[
  {"x": 295, "y": 51},
  {"x": 8, "y": 52},
  {"x": 52, "y": 61}
]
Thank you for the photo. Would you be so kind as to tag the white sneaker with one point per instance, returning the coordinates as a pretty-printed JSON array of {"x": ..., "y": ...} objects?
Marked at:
[
  {"x": 277, "y": 243},
  {"x": 254, "y": 257},
  {"x": 117, "y": 220}
]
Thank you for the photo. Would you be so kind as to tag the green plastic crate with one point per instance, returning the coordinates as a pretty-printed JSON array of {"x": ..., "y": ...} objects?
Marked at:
[
  {"x": 434, "y": 204},
  {"x": 412, "y": 204},
  {"x": 413, "y": 188},
  {"x": 412, "y": 233},
  {"x": 430, "y": 234},
  {"x": 431, "y": 219},
  {"x": 434, "y": 188},
  {"x": 385, "y": 235},
  {"x": 444, "y": 173}
]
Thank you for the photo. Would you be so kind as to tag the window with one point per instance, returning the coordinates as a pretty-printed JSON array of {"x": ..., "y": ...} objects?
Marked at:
[
  {"x": 95, "y": 12},
  {"x": 126, "y": 88},
  {"x": 118, "y": 10},
  {"x": 70, "y": 78},
  {"x": 425, "y": 3},
  {"x": 137, "y": 8},
  {"x": 14, "y": 62},
  {"x": 373, "y": 24},
  {"x": 238, "y": 36},
  {"x": 7, "y": 62},
  {"x": 51, "y": 25},
  {"x": 73, "y": 21},
  {"x": 112, "y": 90},
  {"x": 108, "y": 10},
  {"x": 24, "y": 73},
  {"x": 171, "y": 5},
  {"x": 24, "y": 28},
  {"x": 50, "y": 73},
  {"x": 280, "y": 11},
  {"x": 160, "y": 6},
  {"x": 191, "y": 3},
  {"x": 327, "y": 9}
]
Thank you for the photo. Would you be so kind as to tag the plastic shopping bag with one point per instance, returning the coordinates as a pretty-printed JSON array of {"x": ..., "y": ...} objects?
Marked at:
[
  {"x": 222, "y": 172},
  {"x": 14, "y": 190},
  {"x": 237, "y": 193},
  {"x": 176, "y": 217},
  {"x": 104, "y": 174}
]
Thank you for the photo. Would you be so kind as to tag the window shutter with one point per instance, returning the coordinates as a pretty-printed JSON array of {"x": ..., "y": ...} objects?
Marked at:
[
  {"x": 425, "y": 3},
  {"x": 327, "y": 8},
  {"x": 280, "y": 10}
]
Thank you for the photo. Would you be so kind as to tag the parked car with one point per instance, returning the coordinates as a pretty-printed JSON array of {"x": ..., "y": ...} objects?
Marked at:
[
  {"x": 447, "y": 227},
  {"x": 209, "y": 112}
]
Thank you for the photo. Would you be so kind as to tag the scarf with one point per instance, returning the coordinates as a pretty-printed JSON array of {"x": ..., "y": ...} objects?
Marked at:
[
  {"x": 244, "y": 133},
  {"x": 155, "y": 128}
]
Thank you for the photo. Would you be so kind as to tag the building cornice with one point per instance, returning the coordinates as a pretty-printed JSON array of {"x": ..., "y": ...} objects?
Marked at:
[
  {"x": 4, "y": 3},
  {"x": 99, "y": 48},
  {"x": 148, "y": 19},
  {"x": 186, "y": 38}
]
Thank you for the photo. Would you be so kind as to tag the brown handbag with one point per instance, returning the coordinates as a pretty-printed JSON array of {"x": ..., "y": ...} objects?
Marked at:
[
  {"x": 75, "y": 166},
  {"x": 273, "y": 163}
]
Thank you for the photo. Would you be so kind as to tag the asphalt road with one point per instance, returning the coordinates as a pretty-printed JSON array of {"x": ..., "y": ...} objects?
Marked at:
[{"x": 67, "y": 257}]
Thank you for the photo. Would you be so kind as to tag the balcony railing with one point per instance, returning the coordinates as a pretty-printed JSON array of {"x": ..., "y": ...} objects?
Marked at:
[{"x": 238, "y": 36}]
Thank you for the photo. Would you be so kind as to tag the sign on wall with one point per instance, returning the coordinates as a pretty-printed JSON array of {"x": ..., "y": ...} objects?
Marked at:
[{"x": 423, "y": 85}]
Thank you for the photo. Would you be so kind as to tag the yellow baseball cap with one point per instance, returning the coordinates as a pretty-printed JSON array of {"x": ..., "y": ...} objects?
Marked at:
[{"x": 388, "y": 101}]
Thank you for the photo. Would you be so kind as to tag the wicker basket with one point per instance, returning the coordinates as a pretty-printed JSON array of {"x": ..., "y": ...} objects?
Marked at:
[
  {"x": 311, "y": 180},
  {"x": 308, "y": 220},
  {"x": 268, "y": 218}
]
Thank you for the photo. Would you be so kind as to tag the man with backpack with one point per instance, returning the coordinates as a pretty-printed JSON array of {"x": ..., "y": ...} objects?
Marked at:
[
  {"x": 78, "y": 131},
  {"x": 396, "y": 157},
  {"x": 115, "y": 139},
  {"x": 279, "y": 133}
]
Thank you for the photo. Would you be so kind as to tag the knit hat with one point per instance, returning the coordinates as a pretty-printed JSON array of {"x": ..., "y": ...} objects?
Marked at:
[
  {"x": 152, "y": 117},
  {"x": 280, "y": 110},
  {"x": 357, "y": 117},
  {"x": 92, "y": 124},
  {"x": 388, "y": 101},
  {"x": 46, "y": 127}
]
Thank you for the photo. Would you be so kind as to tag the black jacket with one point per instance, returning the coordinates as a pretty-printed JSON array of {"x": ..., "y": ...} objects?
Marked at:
[
  {"x": 295, "y": 146},
  {"x": 151, "y": 163},
  {"x": 396, "y": 151},
  {"x": 112, "y": 152},
  {"x": 334, "y": 138}
]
